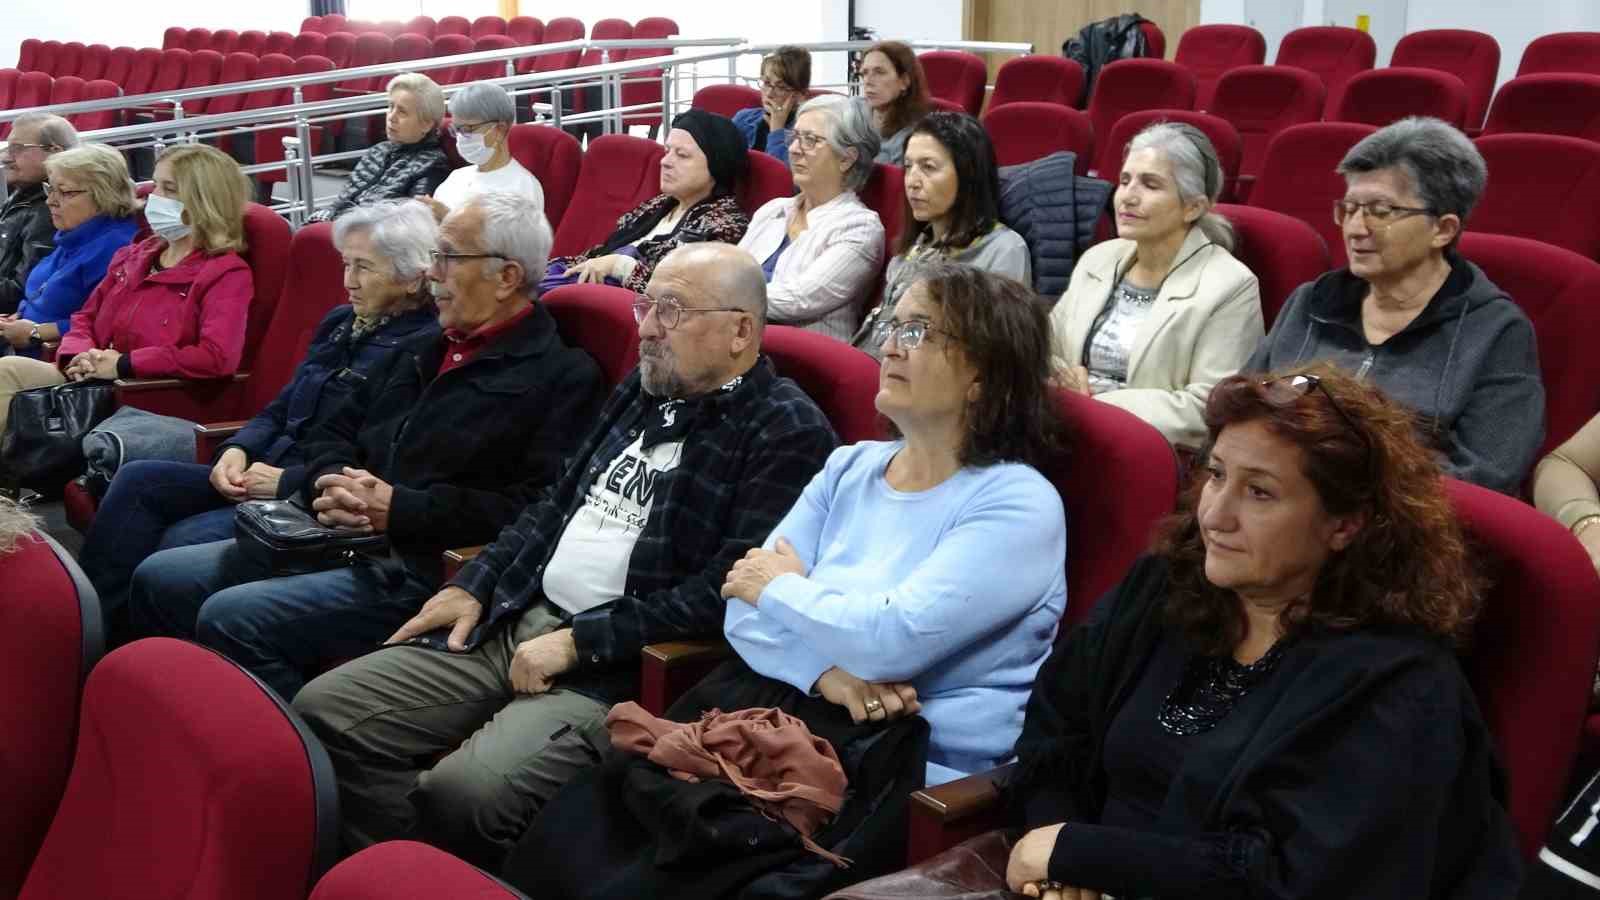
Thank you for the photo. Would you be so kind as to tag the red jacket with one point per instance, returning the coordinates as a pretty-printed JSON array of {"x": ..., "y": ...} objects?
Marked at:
[{"x": 187, "y": 321}]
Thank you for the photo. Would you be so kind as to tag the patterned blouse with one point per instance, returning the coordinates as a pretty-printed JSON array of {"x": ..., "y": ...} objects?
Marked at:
[
  {"x": 712, "y": 219},
  {"x": 1112, "y": 336}
]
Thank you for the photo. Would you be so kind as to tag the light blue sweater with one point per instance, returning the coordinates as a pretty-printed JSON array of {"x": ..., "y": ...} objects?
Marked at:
[{"x": 956, "y": 590}]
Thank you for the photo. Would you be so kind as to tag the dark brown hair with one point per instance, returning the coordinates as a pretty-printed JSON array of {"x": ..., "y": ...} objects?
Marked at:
[
  {"x": 1407, "y": 566},
  {"x": 977, "y": 203},
  {"x": 912, "y": 104},
  {"x": 790, "y": 65}
]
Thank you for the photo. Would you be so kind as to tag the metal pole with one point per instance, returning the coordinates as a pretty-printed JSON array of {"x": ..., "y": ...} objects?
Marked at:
[
  {"x": 302, "y": 130},
  {"x": 291, "y": 159},
  {"x": 606, "y": 103},
  {"x": 667, "y": 98},
  {"x": 555, "y": 107}
]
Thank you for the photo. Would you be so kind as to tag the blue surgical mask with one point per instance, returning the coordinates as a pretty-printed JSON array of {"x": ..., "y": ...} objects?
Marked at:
[{"x": 165, "y": 216}]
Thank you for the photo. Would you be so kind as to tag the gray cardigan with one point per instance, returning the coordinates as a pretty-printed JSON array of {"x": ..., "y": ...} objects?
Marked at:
[{"x": 1467, "y": 364}]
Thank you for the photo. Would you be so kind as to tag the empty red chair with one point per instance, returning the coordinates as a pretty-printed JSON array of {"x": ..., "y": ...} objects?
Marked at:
[
  {"x": 279, "y": 42},
  {"x": 451, "y": 45},
  {"x": 1383, "y": 96},
  {"x": 224, "y": 40},
  {"x": 236, "y": 67},
  {"x": 885, "y": 194},
  {"x": 66, "y": 89},
  {"x": 309, "y": 43},
  {"x": 311, "y": 23},
  {"x": 45, "y": 62},
  {"x": 339, "y": 46},
  {"x": 487, "y": 70},
  {"x": 525, "y": 30},
  {"x": 371, "y": 48},
  {"x": 146, "y": 64},
  {"x": 556, "y": 31},
  {"x": 423, "y": 25},
  {"x": 95, "y": 59},
  {"x": 392, "y": 28},
  {"x": 69, "y": 59},
  {"x": 203, "y": 70},
  {"x": 27, "y": 54},
  {"x": 1023, "y": 131},
  {"x": 956, "y": 76},
  {"x": 726, "y": 99},
  {"x": 555, "y": 158},
  {"x": 598, "y": 318},
  {"x": 619, "y": 172},
  {"x": 1563, "y": 171},
  {"x": 411, "y": 45},
  {"x": 33, "y": 89},
  {"x": 1037, "y": 78},
  {"x": 1259, "y": 102},
  {"x": 197, "y": 39},
  {"x": 486, "y": 25},
  {"x": 99, "y": 89},
  {"x": 644, "y": 87},
  {"x": 52, "y": 616},
  {"x": 1208, "y": 51},
  {"x": 766, "y": 178},
  {"x": 269, "y": 142},
  {"x": 453, "y": 25},
  {"x": 1281, "y": 250},
  {"x": 1550, "y": 103},
  {"x": 1130, "y": 85},
  {"x": 1155, "y": 40},
  {"x": 843, "y": 380},
  {"x": 1333, "y": 53},
  {"x": 607, "y": 30},
  {"x": 1472, "y": 56},
  {"x": 407, "y": 870},
  {"x": 8, "y": 87},
  {"x": 173, "y": 37},
  {"x": 1224, "y": 139},
  {"x": 250, "y": 813},
  {"x": 119, "y": 63},
  {"x": 1298, "y": 177},
  {"x": 252, "y": 41},
  {"x": 1565, "y": 51},
  {"x": 333, "y": 22}
]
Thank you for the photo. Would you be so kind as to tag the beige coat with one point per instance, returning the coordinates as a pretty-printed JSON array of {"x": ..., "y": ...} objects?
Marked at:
[{"x": 1206, "y": 321}]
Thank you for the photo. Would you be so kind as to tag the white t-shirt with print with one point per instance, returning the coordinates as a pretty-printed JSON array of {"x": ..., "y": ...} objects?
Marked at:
[{"x": 510, "y": 178}]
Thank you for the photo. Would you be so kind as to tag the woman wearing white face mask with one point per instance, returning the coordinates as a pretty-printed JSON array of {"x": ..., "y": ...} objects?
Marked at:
[
  {"x": 481, "y": 118},
  {"x": 173, "y": 305}
]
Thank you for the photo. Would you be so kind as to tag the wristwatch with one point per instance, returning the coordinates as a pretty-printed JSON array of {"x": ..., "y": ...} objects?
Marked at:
[{"x": 34, "y": 337}]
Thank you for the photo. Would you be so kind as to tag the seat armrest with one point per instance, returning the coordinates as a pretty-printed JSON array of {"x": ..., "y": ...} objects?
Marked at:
[
  {"x": 950, "y": 813},
  {"x": 198, "y": 400},
  {"x": 668, "y": 669},
  {"x": 208, "y": 438},
  {"x": 457, "y": 557}
]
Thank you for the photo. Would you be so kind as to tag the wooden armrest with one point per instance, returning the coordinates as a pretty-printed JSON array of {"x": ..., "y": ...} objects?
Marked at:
[
  {"x": 457, "y": 557},
  {"x": 207, "y": 438},
  {"x": 144, "y": 385},
  {"x": 198, "y": 400},
  {"x": 668, "y": 669},
  {"x": 220, "y": 429},
  {"x": 944, "y": 816},
  {"x": 682, "y": 653}
]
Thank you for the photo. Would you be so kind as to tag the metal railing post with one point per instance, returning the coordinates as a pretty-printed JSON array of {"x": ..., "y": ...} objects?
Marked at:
[
  {"x": 668, "y": 96},
  {"x": 302, "y": 131},
  {"x": 555, "y": 107},
  {"x": 291, "y": 159},
  {"x": 607, "y": 125}
]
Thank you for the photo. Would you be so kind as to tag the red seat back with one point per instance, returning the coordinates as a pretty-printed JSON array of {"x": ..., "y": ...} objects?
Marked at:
[
  {"x": 599, "y": 319},
  {"x": 271, "y": 65},
  {"x": 339, "y": 47},
  {"x": 202, "y": 71},
  {"x": 252, "y": 41},
  {"x": 33, "y": 89},
  {"x": 1333, "y": 53},
  {"x": 1564, "y": 51},
  {"x": 423, "y": 25},
  {"x": 173, "y": 37},
  {"x": 99, "y": 89},
  {"x": 1384, "y": 96},
  {"x": 1281, "y": 250},
  {"x": 66, "y": 89},
  {"x": 28, "y": 54},
  {"x": 225, "y": 40},
  {"x": 52, "y": 619},
  {"x": 197, "y": 39},
  {"x": 311, "y": 23},
  {"x": 1208, "y": 51},
  {"x": 1130, "y": 85},
  {"x": 726, "y": 99},
  {"x": 46, "y": 60},
  {"x": 557, "y": 31},
  {"x": 1223, "y": 136},
  {"x": 192, "y": 828},
  {"x": 1298, "y": 177},
  {"x": 95, "y": 59},
  {"x": 309, "y": 43},
  {"x": 485, "y": 25},
  {"x": 1556, "y": 288},
  {"x": 1155, "y": 40},
  {"x": 279, "y": 42},
  {"x": 956, "y": 76},
  {"x": 397, "y": 869},
  {"x": 333, "y": 22},
  {"x": 555, "y": 158},
  {"x": 411, "y": 45},
  {"x": 525, "y": 30},
  {"x": 1563, "y": 170},
  {"x": 371, "y": 48},
  {"x": 1037, "y": 78},
  {"x": 452, "y": 25},
  {"x": 236, "y": 67},
  {"x": 1023, "y": 131},
  {"x": 267, "y": 255},
  {"x": 1533, "y": 660},
  {"x": 885, "y": 194},
  {"x": 69, "y": 60},
  {"x": 1472, "y": 56},
  {"x": 119, "y": 64},
  {"x": 486, "y": 70},
  {"x": 842, "y": 380},
  {"x": 1549, "y": 103},
  {"x": 606, "y": 30},
  {"x": 146, "y": 64},
  {"x": 766, "y": 178},
  {"x": 312, "y": 284},
  {"x": 644, "y": 87},
  {"x": 8, "y": 87},
  {"x": 619, "y": 172},
  {"x": 451, "y": 45}
]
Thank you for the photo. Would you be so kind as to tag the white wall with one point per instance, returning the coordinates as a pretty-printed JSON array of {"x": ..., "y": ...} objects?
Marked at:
[
  {"x": 924, "y": 20},
  {"x": 120, "y": 23}
]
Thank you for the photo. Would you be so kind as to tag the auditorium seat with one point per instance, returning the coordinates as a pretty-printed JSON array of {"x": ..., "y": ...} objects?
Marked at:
[
  {"x": 765, "y": 179},
  {"x": 453, "y": 25},
  {"x": 68, "y": 60},
  {"x": 339, "y": 46},
  {"x": 1208, "y": 51},
  {"x": 885, "y": 194},
  {"x": 486, "y": 25},
  {"x": 252, "y": 41},
  {"x": 1130, "y": 85},
  {"x": 279, "y": 42},
  {"x": 957, "y": 76},
  {"x": 555, "y": 158},
  {"x": 311, "y": 23},
  {"x": 1155, "y": 40},
  {"x": 1298, "y": 177},
  {"x": 841, "y": 379},
  {"x": 371, "y": 49},
  {"x": 1563, "y": 171},
  {"x": 407, "y": 870},
  {"x": 582, "y": 99},
  {"x": 197, "y": 39},
  {"x": 33, "y": 89},
  {"x": 8, "y": 90},
  {"x": 95, "y": 59},
  {"x": 484, "y": 71},
  {"x": 1040, "y": 78},
  {"x": 1224, "y": 138},
  {"x": 1332, "y": 53},
  {"x": 119, "y": 63},
  {"x": 423, "y": 25},
  {"x": 146, "y": 64},
  {"x": 52, "y": 628},
  {"x": 618, "y": 173},
  {"x": 45, "y": 61},
  {"x": 200, "y": 70},
  {"x": 1023, "y": 131},
  {"x": 1566, "y": 51},
  {"x": 190, "y": 779},
  {"x": 450, "y": 45},
  {"x": 309, "y": 43},
  {"x": 1547, "y": 103},
  {"x": 726, "y": 99},
  {"x": 1384, "y": 96},
  {"x": 1472, "y": 56},
  {"x": 599, "y": 319},
  {"x": 645, "y": 87},
  {"x": 173, "y": 37},
  {"x": 66, "y": 89},
  {"x": 1259, "y": 102},
  {"x": 224, "y": 40},
  {"x": 939, "y": 104},
  {"x": 525, "y": 30},
  {"x": 28, "y": 54},
  {"x": 1281, "y": 250},
  {"x": 409, "y": 46},
  {"x": 332, "y": 22},
  {"x": 556, "y": 31}
]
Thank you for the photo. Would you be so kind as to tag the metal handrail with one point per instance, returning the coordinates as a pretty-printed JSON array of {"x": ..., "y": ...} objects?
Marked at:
[{"x": 973, "y": 46}]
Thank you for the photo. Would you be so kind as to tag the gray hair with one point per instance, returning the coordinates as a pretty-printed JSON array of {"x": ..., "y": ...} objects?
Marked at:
[
  {"x": 403, "y": 231},
  {"x": 851, "y": 130},
  {"x": 1443, "y": 166},
  {"x": 1196, "y": 172},
  {"x": 53, "y": 130},
  {"x": 515, "y": 227},
  {"x": 430, "y": 98},
  {"x": 16, "y": 523},
  {"x": 483, "y": 102}
]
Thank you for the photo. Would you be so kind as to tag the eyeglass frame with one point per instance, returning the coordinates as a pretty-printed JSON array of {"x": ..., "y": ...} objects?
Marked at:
[
  {"x": 767, "y": 85},
  {"x": 435, "y": 257},
  {"x": 66, "y": 195},
  {"x": 456, "y": 129},
  {"x": 809, "y": 141},
  {"x": 643, "y": 304},
  {"x": 1365, "y": 208},
  {"x": 26, "y": 146},
  {"x": 883, "y": 328},
  {"x": 1315, "y": 383}
]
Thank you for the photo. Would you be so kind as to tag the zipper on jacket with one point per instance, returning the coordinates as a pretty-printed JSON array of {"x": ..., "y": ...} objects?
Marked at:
[{"x": 1366, "y": 363}]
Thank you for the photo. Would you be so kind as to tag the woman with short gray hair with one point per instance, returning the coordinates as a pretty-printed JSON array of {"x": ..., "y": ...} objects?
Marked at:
[
  {"x": 156, "y": 505},
  {"x": 411, "y": 162},
  {"x": 821, "y": 248},
  {"x": 1413, "y": 316},
  {"x": 481, "y": 116}
]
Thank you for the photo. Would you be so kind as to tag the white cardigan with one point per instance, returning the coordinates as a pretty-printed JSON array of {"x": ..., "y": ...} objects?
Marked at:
[{"x": 824, "y": 276}]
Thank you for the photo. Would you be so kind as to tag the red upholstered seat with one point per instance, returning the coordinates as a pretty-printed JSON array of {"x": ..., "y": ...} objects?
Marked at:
[
  {"x": 339, "y": 47},
  {"x": 525, "y": 30},
  {"x": 99, "y": 89},
  {"x": 619, "y": 172},
  {"x": 885, "y": 194},
  {"x": 142, "y": 71},
  {"x": 269, "y": 142},
  {"x": 486, "y": 25},
  {"x": 726, "y": 99},
  {"x": 236, "y": 67},
  {"x": 484, "y": 71},
  {"x": 66, "y": 89},
  {"x": 452, "y": 25},
  {"x": 119, "y": 62},
  {"x": 556, "y": 31},
  {"x": 333, "y": 22},
  {"x": 645, "y": 87},
  {"x": 69, "y": 59},
  {"x": 939, "y": 104},
  {"x": 1038, "y": 78},
  {"x": 1209, "y": 51},
  {"x": 411, "y": 45},
  {"x": 93, "y": 64},
  {"x": 423, "y": 25},
  {"x": 1023, "y": 131},
  {"x": 1563, "y": 171},
  {"x": 1472, "y": 56},
  {"x": 1563, "y": 51},
  {"x": 252, "y": 41},
  {"x": 33, "y": 89},
  {"x": 604, "y": 30},
  {"x": 1333, "y": 53},
  {"x": 1155, "y": 40},
  {"x": 407, "y": 870},
  {"x": 309, "y": 43},
  {"x": 841, "y": 379},
  {"x": 173, "y": 37},
  {"x": 191, "y": 779},
  {"x": 1298, "y": 176},
  {"x": 279, "y": 42},
  {"x": 224, "y": 40},
  {"x": 197, "y": 39},
  {"x": 1547, "y": 103},
  {"x": 765, "y": 179},
  {"x": 1383, "y": 96},
  {"x": 51, "y": 618},
  {"x": 1281, "y": 250},
  {"x": 45, "y": 61},
  {"x": 311, "y": 23},
  {"x": 956, "y": 76},
  {"x": 1130, "y": 85},
  {"x": 450, "y": 45},
  {"x": 1533, "y": 659},
  {"x": 554, "y": 157},
  {"x": 1222, "y": 135},
  {"x": 598, "y": 318}
]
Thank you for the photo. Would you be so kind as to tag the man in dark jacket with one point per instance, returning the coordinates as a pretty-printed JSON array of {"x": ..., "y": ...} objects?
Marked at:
[
  {"x": 441, "y": 448},
  {"x": 515, "y": 664},
  {"x": 26, "y": 234}
]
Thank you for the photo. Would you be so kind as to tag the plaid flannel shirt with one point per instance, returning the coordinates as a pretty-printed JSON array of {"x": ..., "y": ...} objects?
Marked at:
[{"x": 748, "y": 452}]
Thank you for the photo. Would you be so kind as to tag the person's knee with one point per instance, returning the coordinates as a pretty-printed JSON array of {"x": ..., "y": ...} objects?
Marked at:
[
  {"x": 228, "y": 619},
  {"x": 320, "y": 704},
  {"x": 470, "y": 810}
]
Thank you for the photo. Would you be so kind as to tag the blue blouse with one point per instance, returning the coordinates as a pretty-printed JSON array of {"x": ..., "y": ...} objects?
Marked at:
[{"x": 61, "y": 282}]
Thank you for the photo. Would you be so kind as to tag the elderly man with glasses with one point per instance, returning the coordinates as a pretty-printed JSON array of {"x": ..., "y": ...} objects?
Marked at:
[
  {"x": 511, "y": 669},
  {"x": 26, "y": 233}
]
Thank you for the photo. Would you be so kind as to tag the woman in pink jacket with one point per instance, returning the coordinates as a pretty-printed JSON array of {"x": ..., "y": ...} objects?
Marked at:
[{"x": 173, "y": 305}]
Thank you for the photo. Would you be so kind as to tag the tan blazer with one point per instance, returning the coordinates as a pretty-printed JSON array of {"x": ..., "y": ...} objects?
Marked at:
[{"x": 1206, "y": 321}]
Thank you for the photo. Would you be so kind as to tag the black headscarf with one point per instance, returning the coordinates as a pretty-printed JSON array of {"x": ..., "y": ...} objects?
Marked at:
[{"x": 722, "y": 144}]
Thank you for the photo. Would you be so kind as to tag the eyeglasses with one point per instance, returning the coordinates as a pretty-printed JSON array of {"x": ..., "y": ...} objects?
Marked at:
[
  {"x": 669, "y": 311},
  {"x": 808, "y": 140},
  {"x": 1378, "y": 213},
  {"x": 17, "y": 145},
  {"x": 459, "y": 128},
  {"x": 51, "y": 190},
  {"x": 442, "y": 259},
  {"x": 908, "y": 335},
  {"x": 775, "y": 87},
  {"x": 1286, "y": 391}
]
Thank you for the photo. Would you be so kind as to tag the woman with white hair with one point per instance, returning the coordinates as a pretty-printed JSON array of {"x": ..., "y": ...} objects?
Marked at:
[
  {"x": 154, "y": 505},
  {"x": 481, "y": 116},
  {"x": 821, "y": 248},
  {"x": 411, "y": 163},
  {"x": 1153, "y": 319}
]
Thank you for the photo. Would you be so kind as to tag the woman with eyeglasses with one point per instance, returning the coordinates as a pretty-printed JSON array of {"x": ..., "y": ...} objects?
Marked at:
[
  {"x": 821, "y": 248},
  {"x": 411, "y": 161},
  {"x": 896, "y": 90},
  {"x": 785, "y": 77},
  {"x": 1270, "y": 704},
  {"x": 1413, "y": 317},
  {"x": 481, "y": 116}
]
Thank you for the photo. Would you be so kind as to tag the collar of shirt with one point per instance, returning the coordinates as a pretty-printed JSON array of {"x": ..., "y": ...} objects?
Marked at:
[
  {"x": 672, "y": 417},
  {"x": 461, "y": 347}
]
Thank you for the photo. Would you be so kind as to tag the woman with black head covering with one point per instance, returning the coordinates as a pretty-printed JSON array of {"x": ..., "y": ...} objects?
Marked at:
[{"x": 704, "y": 160}]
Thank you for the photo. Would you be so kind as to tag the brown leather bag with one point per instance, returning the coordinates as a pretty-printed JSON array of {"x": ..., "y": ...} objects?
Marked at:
[{"x": 974, "y": 870}]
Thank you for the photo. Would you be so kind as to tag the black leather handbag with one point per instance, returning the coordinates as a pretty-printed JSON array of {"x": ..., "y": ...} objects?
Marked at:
[
  {"x": 288, "y": 540},
  {"x": 42, "y": 447}
]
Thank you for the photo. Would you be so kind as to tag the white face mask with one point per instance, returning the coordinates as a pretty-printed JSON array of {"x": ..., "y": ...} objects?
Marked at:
[
  {"x": 165, "y": 216},
  {"x": 473, "y": 149}
]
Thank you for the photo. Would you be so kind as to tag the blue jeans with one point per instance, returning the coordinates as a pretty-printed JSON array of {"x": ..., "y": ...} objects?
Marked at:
[{"x": 283, "y": 628}]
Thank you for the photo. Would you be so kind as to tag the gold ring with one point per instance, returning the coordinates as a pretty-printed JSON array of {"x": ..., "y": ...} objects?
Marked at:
[{"x": 874, "y": 705}]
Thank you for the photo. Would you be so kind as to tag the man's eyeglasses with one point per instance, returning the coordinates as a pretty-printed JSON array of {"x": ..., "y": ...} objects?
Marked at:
[
  {"x": 669, "y": 311},
  {"x": 51, "y": 190},
  {"x": 1378, "y": 213},
  {"x": 908, "y": 335},
  {"x": 17, "y": 145},
  {"x": 808, "y": 140},
  {"x": 442, "y": 259}
]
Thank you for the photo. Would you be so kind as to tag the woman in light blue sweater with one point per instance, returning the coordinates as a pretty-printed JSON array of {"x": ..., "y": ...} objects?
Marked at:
[{"x": 926, "y": 574}]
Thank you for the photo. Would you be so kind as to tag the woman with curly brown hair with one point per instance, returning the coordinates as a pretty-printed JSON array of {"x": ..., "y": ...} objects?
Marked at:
[{"x": 1269, "y": 705}]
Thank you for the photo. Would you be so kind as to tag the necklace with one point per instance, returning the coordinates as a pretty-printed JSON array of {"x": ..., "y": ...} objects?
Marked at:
[{"x": 1210, "y": 687}]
